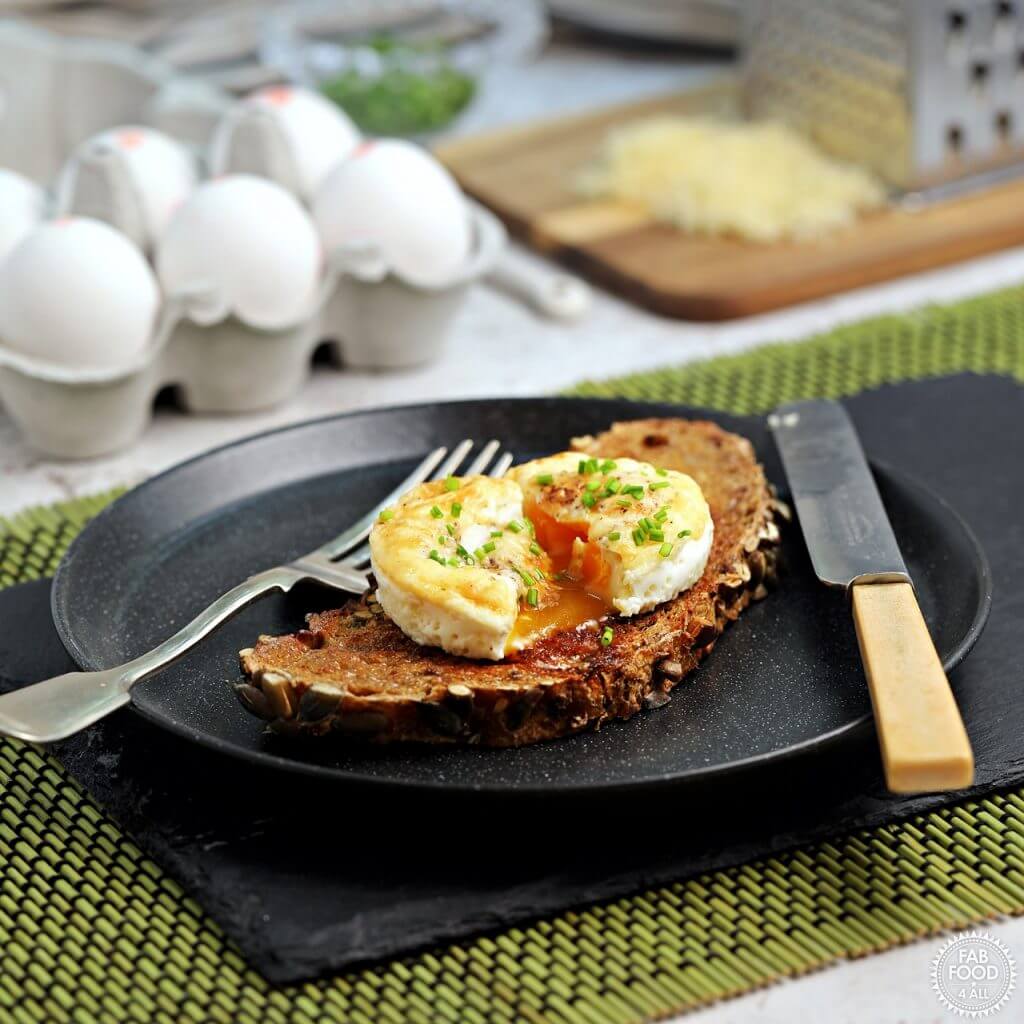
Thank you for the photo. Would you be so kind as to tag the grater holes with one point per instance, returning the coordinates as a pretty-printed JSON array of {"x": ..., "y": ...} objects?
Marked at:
[
  {"x": 1007, "y": 15},
  {"x": 1004, "y": 126},
  {"x": 980, "y": 73},
  {"x": 956, "y": 35},
  {"x": 956, "y": 21},
  {"x": 955, "y": 140}
]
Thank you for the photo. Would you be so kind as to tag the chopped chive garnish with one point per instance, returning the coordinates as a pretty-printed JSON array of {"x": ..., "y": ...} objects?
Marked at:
[
  {"x": 660, "y": 516},
  {"x": 657, "y": 485},
  {"x": 662, "y": 472},
  {"x": 463, "y": 553},
  {"x": 450, "y": 529},
  {"x": 539, "y": 573},
  {"x": 456, "y": 510},
  {"x": 582, "y": 466},
  {"x": 614, "y": 536},
  {"x": 479, "y": 554},
  {"x": 451, "y": 484},
  {"x": 453, "y": 562},
  {"x": 535, "y": 548},
  {"x": 607, "y": 635},
  {"x": 612, "y": 487},
  {"x": 593, "y": 485},
  {"x": 442, "y": 539},
  {"x": 489, "y": 546},
  {"x": 544, "y": 479},
  {"x": 634, "y": 490},
  {"x": 665, "y": 550},
  {"x": 497, "y": 533},
  {"x": 436, "y": 512},
  {"x": 436, "y": 556},
  {"x": 638, "y": 537},
  {"x": 684, "y": 533},
  {"x": 589, "y": 499},
  {"x": 647, "y": 524},
  {"x": 532, "y": 597},
  {"x": 624, "y": 503},
  {"x": 514, "y": 527},
  {"x": 608, "y": 465},
  {"x": 656, "y": 535},
  {"x": 386, "y": 514},
  {"x": 526, "y": 577}
]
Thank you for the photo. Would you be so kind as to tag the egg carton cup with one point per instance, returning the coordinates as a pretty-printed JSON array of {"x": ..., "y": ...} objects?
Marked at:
[
  {"x": 56, "y": 92},
  {"x": 367, "y": 316}
]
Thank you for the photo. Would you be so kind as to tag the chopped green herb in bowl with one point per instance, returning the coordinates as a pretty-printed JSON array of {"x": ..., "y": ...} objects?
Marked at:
[{"x": 414, "y": 91}]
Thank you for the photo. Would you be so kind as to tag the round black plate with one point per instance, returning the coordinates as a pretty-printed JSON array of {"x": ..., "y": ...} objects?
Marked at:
[{"x": 785, "y": 678}]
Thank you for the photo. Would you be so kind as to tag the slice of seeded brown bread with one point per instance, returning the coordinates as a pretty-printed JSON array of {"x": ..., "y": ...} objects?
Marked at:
[{"x": 352, "y": 672}]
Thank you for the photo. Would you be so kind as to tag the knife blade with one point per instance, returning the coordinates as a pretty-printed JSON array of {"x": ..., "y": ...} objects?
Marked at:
[
  {"x": 852, "y": 545},
  {"x": 841, "y": 513}
]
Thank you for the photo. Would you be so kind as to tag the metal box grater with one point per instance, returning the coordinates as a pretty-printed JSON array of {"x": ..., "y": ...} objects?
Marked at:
[{"x": 927, "y": 93}]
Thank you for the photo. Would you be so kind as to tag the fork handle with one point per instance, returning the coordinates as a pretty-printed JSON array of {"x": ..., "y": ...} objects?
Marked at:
[{"x": 59, "y": 707}]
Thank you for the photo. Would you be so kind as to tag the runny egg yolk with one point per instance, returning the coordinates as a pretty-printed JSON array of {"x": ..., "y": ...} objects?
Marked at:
[{"x": 577, "y": 592}]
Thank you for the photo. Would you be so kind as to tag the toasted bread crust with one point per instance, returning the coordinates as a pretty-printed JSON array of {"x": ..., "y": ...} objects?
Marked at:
[{"x": 353, "y": 672}]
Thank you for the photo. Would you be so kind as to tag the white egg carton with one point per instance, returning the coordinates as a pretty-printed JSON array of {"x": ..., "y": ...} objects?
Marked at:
[
  {"x": 57, "y": 93},
  {"x": 232, "y": 367}
]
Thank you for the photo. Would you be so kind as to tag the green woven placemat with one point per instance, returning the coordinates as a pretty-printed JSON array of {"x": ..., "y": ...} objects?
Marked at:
[{"x": 92, "y": 930}]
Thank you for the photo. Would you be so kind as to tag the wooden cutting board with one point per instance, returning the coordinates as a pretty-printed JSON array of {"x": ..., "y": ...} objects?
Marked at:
[{"x": 524, "y": 174}]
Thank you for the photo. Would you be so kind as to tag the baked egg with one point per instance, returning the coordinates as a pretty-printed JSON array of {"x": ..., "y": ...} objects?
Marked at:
[
  {"x": 456, "y": 562},
  {"x": 626, "y": 532},
  {"x": 484, "y": 568}
]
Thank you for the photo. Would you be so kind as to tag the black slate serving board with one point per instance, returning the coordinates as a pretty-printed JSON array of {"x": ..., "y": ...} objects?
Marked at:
[{"x": 307, "y": 878}]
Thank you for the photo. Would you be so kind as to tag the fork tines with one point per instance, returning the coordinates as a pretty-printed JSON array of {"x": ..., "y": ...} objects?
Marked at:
[{"x": 490, "y": 460}]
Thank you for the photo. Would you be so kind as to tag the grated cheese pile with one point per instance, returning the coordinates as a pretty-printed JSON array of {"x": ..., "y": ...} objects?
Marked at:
[{"x": 761, "y": 181}]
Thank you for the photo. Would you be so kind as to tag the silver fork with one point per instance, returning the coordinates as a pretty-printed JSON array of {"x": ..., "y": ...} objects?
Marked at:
[{"x": 59, "y": 707}]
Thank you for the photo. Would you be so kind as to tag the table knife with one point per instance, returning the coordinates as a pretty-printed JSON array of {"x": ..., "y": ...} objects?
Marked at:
[{"x": 921, "y": 734}]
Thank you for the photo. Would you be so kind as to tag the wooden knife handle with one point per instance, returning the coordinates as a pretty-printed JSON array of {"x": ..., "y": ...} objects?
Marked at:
[{"x": 924, "y": 744}]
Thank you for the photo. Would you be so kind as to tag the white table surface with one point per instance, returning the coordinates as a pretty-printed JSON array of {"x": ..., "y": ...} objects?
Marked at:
[{"x": 500, "y": 348}]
